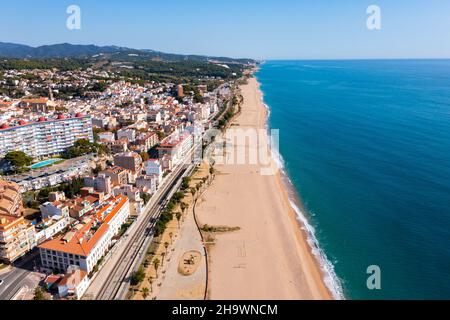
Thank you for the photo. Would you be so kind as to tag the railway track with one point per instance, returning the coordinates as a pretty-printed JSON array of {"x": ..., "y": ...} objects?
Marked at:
[{"x": 113, "y": 289}]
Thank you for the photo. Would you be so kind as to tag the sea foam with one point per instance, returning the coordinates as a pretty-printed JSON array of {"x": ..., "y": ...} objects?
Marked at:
[{"x": 330, "y": 277}]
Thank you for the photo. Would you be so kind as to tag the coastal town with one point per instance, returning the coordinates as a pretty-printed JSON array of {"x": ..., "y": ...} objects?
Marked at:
[{"x": 93, "y": 164}]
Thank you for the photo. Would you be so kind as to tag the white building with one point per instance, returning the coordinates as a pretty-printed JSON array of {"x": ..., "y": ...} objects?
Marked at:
[
  {"x": 129, "y": 134},
  {"x": 102, "y": 183},
  {"x": 148, "y": 183},
  {"x": 106, "y": 136},
  {"x": 177, "y": 146},
  {"x": 46, "y": 137},
  {"x": 54, "y": 209},
  {"x": 50, "y": 227},
  {"x": 74, "y": 284},
  {"x": 154, "y": 167},
  {"x": 88, "y": 241}
]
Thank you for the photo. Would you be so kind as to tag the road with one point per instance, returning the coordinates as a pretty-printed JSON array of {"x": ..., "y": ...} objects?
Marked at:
[{"x": 20, "y": 275}]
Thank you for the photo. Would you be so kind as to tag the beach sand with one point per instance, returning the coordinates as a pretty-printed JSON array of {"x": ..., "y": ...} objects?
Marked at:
[{"x": 268, "y": 258}]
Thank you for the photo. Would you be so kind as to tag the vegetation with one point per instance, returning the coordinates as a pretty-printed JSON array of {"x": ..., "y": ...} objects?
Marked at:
[
  {"x": 185, "y": 183},
  {"x": 138, "y": 276},
  {"x": 168, "y": 214},
  {"x": 146, "y": 197},
  {"x": 145, "y": 292},
  {"x": 124, "y": 228},
  {"x": 71, "y": 190},
  {"x": 39, "y": 294},
  {"x": 226, "y": 118},
  {"x": 19, "y": 160},
  {"x": 156, "y": 264},
  {"x": 220, "y": 229},
  {"x": 84, "y": 147},
  {"x": 60, "y": 64}
]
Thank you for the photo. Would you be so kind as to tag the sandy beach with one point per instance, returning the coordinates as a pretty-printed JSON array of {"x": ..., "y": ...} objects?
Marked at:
[{"x": 268, "y": 258}]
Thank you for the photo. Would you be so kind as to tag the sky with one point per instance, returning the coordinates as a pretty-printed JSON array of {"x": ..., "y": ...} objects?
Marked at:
[{"x": 261, "y": 29}]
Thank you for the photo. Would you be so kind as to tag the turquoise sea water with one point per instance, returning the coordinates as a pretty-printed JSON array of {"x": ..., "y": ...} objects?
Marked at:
[{"x": 367, "y": 146}]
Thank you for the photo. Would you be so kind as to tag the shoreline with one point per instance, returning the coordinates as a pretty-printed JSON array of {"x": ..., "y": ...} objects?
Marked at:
[
  {"x": 307, "y": 231},
  {"x": 242, "y": 259}
]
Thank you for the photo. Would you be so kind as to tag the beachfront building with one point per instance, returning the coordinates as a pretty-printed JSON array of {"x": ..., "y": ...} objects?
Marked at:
[
  {"x": 88, "y": 241},
  {"x": 45, "y": 137},
  {"x": 176, "y": 146}
]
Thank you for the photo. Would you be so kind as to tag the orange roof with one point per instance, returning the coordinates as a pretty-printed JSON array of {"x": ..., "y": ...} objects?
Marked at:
[
  {"x": 8, "y": 222},
  {"x": 73, "y": 278},
  {"x": 77, "y": 244},
  {"x": 40, "y": 100},
  {"x": 119, "y": 202}
]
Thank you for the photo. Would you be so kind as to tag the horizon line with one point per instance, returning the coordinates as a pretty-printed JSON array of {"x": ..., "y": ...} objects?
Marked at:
[{"x": 235, "y": 57}]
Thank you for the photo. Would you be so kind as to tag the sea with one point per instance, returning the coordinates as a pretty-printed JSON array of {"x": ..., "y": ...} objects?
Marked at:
[{"x": 365, "y": 145}]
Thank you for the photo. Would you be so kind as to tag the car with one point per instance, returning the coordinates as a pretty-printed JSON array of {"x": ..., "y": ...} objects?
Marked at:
[{"x": 1, "y": 282}]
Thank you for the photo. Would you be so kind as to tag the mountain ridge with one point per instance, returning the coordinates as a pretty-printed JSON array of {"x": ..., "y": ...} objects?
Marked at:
[{"x": 67, "y": 50}]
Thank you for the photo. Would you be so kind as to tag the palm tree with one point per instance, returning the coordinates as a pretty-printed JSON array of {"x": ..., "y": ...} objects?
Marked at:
[
  {"x": 178, "y": 215},
  {"x": 145, "y": 293},
  {"x": 163, "y": 254},
  {"x": 171, "y": 237},
  {"x": 166, "y": 245},
  {"x": 156, "y": 263},
  {"x": 150, "y": 280}
]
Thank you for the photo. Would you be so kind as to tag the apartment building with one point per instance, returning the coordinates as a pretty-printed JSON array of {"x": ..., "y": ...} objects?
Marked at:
[
  {"x": 17, "y": 236},
  {"x": 88, "y": 241},
  {"x": 176, "y": 146},
  {"x": 45, "y": 137},
  {"x": 129, "y": 160}
]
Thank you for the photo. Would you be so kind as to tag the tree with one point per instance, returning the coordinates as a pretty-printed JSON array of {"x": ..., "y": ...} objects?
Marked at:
[
  {"x": 150, "y": 280},
  {"x": 185, "y": 183},
  {"x": 39, "y": 294},
  {"x": 145, "y": 293},
  {"x": 156, "y": 263},
  {"x": 171, "y": 237},
  {"x": 18, "y": 159},
  {"x": 166, "y": 246},
  {"x": 146, "y": 197},
  {"x": 163, "y": 255},
  {"x": 178, "y": 215},
  {"x": 183, "y": 206},
  {"x": 138, "y": 276}
]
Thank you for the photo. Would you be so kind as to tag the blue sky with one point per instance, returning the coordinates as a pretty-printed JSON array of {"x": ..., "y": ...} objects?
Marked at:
[{"x": 268, "y": 29}]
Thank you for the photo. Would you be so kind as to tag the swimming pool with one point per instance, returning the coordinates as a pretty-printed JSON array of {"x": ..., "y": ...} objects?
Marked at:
[{"x": 45, "y": 163}]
